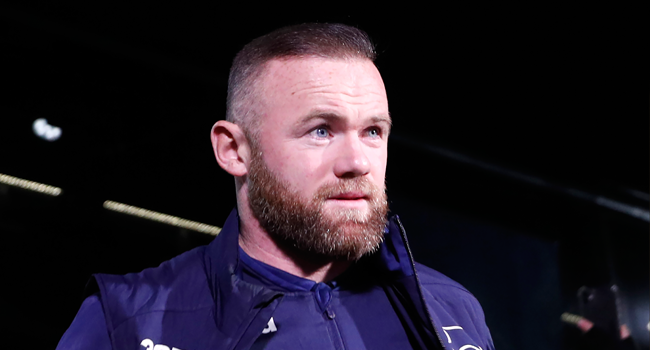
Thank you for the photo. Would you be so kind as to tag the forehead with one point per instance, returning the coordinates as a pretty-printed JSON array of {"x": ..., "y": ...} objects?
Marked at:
[{"x": 295, "y": 79}]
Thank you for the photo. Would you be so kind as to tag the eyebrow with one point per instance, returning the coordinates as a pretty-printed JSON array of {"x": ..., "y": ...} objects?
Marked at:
[{"x": 333, "y": 117}]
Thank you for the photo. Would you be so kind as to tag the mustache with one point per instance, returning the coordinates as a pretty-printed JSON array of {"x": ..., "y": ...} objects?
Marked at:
[{"x": 359, "y": 185}]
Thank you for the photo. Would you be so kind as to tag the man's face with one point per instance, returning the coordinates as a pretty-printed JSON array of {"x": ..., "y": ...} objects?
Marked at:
[{"x": 316, "y": 176}]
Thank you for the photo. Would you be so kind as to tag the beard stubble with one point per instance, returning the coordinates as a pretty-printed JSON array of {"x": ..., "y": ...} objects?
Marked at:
[{"x": 338, "y": 233}]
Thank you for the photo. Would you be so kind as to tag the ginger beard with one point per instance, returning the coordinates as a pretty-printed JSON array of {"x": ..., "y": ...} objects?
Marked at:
[{"x": 339, "y": 233}]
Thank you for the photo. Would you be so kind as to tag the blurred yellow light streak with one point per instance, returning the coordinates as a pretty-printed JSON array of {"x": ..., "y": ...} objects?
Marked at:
[
  {"x": 160, "y": 217},
  {"x": 30, "y": 185}
]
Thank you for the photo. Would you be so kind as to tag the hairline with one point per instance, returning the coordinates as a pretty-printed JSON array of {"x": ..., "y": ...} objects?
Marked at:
[
  {"x": 330, "y": 41},
  {"x": 257, "y": 78}
]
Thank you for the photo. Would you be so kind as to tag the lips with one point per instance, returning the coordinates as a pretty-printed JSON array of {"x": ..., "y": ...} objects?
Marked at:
[{"x": 350, "y": 196}]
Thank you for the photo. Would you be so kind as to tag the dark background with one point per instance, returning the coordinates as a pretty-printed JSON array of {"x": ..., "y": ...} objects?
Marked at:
[{"x": 518, "y": 160}]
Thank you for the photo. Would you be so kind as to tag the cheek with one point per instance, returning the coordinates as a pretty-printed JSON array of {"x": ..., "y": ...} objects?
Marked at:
[
  {"x": 379, "y": 167},
  {"x": 300, "y": 167},
  {"x": 379, "y": 161},
  {"x": 309, "y": 166}
]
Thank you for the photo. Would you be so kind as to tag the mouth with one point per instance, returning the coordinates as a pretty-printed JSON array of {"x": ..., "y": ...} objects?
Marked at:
[{"x": 349, "y": 196}]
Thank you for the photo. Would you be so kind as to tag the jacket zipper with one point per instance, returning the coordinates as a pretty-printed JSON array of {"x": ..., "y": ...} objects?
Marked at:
[{"x": 402, "y": 232}]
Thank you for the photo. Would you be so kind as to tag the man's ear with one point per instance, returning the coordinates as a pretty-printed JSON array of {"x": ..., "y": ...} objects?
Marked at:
[{"x": 230, "y": 147}]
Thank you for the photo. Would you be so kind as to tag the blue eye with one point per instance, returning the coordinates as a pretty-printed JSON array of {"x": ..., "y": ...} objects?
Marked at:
[
  {"x": 321, "y": 132},
  {"x": 374, "y": 132}
]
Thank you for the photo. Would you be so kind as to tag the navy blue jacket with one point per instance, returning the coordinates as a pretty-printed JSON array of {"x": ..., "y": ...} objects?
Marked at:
[{"x": 198, "y": 301}]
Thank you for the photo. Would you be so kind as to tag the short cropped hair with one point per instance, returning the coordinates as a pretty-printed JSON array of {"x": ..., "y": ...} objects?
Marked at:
[{"x": 337, "y": 41}]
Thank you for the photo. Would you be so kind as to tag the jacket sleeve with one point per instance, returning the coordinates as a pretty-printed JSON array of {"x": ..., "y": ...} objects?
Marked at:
[{"x": 88, "y": 329}]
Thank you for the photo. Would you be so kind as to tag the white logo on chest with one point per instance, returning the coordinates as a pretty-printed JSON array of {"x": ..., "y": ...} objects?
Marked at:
[
  {"x": 149, "y": 345},
  {"x": 270, "y": 327}
]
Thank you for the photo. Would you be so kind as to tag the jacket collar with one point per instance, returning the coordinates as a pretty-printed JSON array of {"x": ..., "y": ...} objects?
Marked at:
[
  {"x": 222, "y": 255},
  {"x": 247, "y": 304},
  {"x": 240, "y": 300},
  {"x": 394, "y": 255}
]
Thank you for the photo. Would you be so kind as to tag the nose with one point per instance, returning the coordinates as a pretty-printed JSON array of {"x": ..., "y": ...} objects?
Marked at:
[{"x": 351, "y": 160}]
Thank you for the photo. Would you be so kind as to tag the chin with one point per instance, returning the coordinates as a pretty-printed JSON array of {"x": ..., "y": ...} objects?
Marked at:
[{"x": 346, "y": 216}]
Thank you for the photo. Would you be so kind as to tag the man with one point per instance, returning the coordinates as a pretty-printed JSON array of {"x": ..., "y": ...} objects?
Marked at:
[{"x": 307, "y": 260}]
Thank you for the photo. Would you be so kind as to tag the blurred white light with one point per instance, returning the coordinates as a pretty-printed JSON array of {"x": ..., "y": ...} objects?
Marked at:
[
  {"x": 160, "y": 217},
  {"x": 46, "y": 131},
  {"x": 30, "y": 185}
]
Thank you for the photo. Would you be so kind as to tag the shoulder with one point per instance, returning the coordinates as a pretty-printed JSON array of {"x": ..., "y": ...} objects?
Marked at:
[
  {"x": 179, "y": 284},
  {"x": 452, "y": 303},
  {"x": 88, "y": 329},
  {"x": 431, "y": 278},
  {"x": 442, "y": 290},
  {"x": 186, "y": 266},
  {"x": 454, "y": 306}
]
